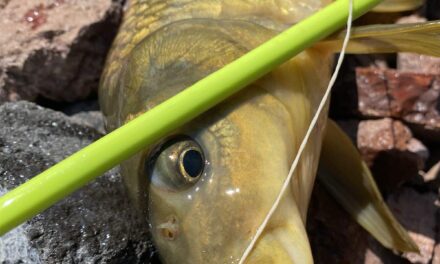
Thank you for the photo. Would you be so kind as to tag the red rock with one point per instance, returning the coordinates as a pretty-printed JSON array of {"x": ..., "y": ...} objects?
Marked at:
[
  {"x": 372, "y": 92},
  {"x": 406, "y": 90},
  {"x": 412, "y": 92},
  {"x": 411, "y": 62},
  {"x": 412, "y": 97},
  {"x": 54, "y": 48}
]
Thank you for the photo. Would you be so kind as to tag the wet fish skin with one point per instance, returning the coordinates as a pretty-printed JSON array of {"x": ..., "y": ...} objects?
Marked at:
[{"x": 248, "y": 142}]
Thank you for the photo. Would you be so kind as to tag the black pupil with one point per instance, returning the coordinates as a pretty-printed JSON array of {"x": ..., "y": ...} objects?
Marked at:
[{"x": 193, "y": 163}]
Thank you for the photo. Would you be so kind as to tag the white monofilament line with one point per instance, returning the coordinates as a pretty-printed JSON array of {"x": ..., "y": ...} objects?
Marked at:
[{"x": 305, "y": 139}]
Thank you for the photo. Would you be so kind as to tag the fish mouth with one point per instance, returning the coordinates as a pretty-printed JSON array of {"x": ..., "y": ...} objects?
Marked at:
[{"x": 281, "y": 245}]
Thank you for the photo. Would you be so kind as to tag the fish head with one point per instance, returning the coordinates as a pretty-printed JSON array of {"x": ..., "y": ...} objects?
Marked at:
[
  {"x": 208, "y": 186},
  {"x": 212, "y": 184}
]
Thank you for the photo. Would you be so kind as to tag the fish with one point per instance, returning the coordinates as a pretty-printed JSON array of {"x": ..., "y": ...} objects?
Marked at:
[{"x": 206, "y": 188}]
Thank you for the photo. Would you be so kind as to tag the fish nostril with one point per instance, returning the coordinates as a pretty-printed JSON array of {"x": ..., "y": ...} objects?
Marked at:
[
  {"x": 170, "y": 229},
  {"x": 168, "y": 234}
]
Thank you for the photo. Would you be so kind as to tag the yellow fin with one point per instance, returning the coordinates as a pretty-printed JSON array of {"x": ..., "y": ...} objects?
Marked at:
[
  {"x": 348, "y": 179},
  {"x": 421, "y": 38},
  {"x": 398, "y": 5}
]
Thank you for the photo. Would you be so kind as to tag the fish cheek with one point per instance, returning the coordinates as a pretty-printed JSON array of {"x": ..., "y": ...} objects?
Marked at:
[
  {"x": 203, "y": 222},
  {"x": 179, "y": 216}
]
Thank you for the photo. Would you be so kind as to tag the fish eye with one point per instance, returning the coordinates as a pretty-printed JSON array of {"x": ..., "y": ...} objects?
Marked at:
[
  {"x": 191, "y": 163},
  {"x": 176, "y": 164}
]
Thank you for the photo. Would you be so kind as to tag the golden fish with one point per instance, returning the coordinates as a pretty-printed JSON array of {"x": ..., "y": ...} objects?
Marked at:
[{"x": 207, "y": 188}]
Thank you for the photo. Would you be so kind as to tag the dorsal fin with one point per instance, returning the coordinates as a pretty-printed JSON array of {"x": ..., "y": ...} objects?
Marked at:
[
  {"x": 423, "y": 38},
  {"x": 398, "y": 5}
]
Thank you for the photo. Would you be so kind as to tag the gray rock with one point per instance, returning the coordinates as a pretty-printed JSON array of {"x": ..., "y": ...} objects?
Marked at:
[
  {"x": 94, "y": 225},
  {"x": 54, "y": 49},
  {"x": 93, "y": 119}
]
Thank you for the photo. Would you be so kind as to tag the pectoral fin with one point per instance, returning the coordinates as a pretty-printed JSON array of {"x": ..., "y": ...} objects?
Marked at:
[
  {"x": 346, "y": 176},
  {"x": 421, "y": 38}
]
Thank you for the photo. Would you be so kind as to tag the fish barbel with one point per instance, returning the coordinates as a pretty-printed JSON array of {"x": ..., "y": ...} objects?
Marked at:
[{"x": 206, "y": 188}]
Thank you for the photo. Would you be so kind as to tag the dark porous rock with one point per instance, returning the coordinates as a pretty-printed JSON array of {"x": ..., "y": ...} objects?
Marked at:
[
  {"x": 412, "y": 97},
  {"x": 350, "y": 127},
  {"x": 334, "y": 236},
  {"x": 54, "y": 49},
  {"x": 431, "y": 174},
  {"x": 432, "y": 12},
  {"x": 94, "y": 225}
]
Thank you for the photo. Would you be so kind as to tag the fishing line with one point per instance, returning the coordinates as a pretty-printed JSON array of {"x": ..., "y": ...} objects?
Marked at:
[{"x": 305, "y": 139}]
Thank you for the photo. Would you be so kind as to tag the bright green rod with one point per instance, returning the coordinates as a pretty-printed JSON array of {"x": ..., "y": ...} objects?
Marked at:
[{"x": 69, "y": 175}]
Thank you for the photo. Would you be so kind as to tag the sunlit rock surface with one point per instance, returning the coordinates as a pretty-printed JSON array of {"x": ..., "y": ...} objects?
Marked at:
[
  {"x": 94, "y": 225},
  {"x": 54, "y": 49}
]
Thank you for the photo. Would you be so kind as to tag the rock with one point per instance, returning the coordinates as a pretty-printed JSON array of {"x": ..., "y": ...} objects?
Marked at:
[
  {"x": 372, "y": 92},
  {"x": 377, "y": 254},
  {"x": 334, "y": 236},
  {"x": 432, "y": 9},
  {"x": 412, "y": 97},
  {"x": 386, "y": 142},
  {"x": 436, "y": 258},
  {"x": 93, "y": 119},
  {"x": 383, "y": 143},
  {"x": 419, "y": 63},
  {"x": 344, "y": 99},
  {"x": 350, "y": 127},
  {"x": 54, "y": 49},
  {"x": 417, "y": 212},
  {"x": 432, "y": 174},
  {"x": 94, "y": 225}
]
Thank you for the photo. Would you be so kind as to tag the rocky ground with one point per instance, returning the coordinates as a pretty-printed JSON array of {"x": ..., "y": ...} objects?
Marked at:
[
  {"x": 52, "y": 53},
  {"x": 94, "y": 225},
  {"x": 390, "y": 107}
]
